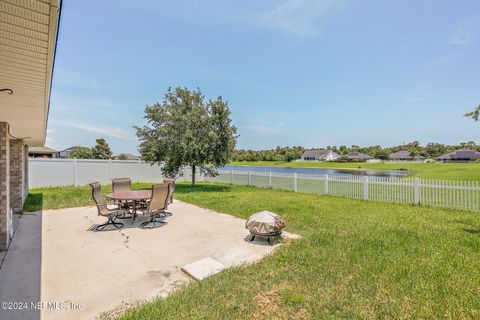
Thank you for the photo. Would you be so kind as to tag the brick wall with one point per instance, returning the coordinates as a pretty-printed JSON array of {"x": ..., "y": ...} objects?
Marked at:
[
  {"x": 17, "y": 164},
  {"x": 4, "y": 185},
  {"x": 25, "y": 172}
]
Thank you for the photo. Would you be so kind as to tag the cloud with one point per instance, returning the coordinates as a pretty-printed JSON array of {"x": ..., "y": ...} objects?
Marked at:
[
  {"x": 264, "y": 128},
  {"x": 464, "y": 34},
  {"x": 442, "y": 59},
  {"x": 50, "y": 142},
  {"x": 299, "y": 17},
  {"x": 112, "y": 131},
  {"x": 410, "y": 101},
  {"x": 460, "y": 39}
]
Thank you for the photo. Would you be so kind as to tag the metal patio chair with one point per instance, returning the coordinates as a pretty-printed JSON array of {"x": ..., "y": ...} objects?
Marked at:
[
  {"x": 119, "y": 185},
  {"x": 157, "y": 205},
  {"x": 103, "y": 209},
  {"x": 171, "y": 192}
]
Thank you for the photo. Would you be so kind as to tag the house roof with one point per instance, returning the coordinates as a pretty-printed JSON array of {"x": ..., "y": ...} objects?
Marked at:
[
  {"x": 316, "y": 153},
  {"x": 132, "y": 156},
  {"x": 28, "y": 38},
  {"x": 461, "y": 154},
  {"x": 359, "y": 156},
  {"x": 446, "y": 156},
  {"x": 401, "y": 155},
  {"x": 69, "y": 149},
  {"x": 41, "y": 150}
]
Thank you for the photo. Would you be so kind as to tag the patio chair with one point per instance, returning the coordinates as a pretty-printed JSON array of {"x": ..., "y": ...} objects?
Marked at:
[
  {"x": 119, "y": 185},
  {"x": 171, "y": 182},
  {"x": 157, "y": 205},
  {"x": 103, "y": 209}
]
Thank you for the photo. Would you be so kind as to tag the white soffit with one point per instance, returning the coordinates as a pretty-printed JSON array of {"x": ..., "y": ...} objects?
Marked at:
[{"x": 28, "y": 32}]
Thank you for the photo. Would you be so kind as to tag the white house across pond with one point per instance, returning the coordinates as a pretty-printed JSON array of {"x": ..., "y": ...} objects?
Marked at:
[{"x": 320, "y": 155}]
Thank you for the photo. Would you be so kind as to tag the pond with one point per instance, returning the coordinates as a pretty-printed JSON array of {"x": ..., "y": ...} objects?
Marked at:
[{"x": 320, "y": 171}]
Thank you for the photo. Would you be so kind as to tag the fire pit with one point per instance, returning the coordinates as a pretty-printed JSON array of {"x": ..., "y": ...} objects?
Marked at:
[{"x": 265, "y": 224}]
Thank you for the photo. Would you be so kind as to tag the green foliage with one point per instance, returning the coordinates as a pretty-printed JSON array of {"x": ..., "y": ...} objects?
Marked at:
[
  {"x": 277, "y": 154},
  {"x": 82, "y": 153},
  {"x": 434, "y": 150},
  {"x": 431, "y": 150},
  {"x": 101, "y": 150},
  {"x": 475, "y": 114},
  {"x": 187, "y": 130},
  {"x": 381, "y": 154}
]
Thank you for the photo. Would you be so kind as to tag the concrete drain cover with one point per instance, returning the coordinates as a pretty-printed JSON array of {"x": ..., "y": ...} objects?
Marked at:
[{"x": 204, "y": 268}]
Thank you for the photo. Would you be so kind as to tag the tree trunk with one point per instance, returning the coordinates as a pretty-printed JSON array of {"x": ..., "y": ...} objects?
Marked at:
[{"x": 193, "y": 176}]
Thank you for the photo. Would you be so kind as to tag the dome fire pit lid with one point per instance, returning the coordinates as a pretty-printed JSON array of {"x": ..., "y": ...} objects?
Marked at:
[{"x": 265, "y": 224}]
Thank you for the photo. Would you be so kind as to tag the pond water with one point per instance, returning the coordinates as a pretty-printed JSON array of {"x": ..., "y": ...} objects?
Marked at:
[{"x": 320, "y": 171}]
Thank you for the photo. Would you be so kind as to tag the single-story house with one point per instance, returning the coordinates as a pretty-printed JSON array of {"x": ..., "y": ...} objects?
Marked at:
[
  {"x": 460, "y": 155},
  {"x": 66, "y": 152},
  {"x": 357, "y": 156},
  {"x": 28, "y": 42},
  {"x": 132, "y": 156},
  {"x": 401, "y": 156},
  {"x": 42, "y": 152},
  {"x": 320, "y": 155}
]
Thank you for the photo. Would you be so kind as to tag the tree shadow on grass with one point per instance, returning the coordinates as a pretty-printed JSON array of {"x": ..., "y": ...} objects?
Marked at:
[
  {"x": 34, "y": 202},
  {"x": 472, "y": 231},
  {"x": 186, "y": 188}
]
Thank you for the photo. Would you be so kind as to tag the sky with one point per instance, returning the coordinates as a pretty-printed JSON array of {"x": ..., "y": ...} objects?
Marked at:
[{"x": 295, "y": 72}]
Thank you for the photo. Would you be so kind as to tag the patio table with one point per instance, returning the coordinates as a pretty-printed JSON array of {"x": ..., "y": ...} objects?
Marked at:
[{"x": 135, "y": 196}]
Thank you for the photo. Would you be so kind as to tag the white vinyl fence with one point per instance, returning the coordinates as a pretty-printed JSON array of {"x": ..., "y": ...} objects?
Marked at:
[
  {"x": 463, "y": 195},
  {"x": 78, "y": 172}
]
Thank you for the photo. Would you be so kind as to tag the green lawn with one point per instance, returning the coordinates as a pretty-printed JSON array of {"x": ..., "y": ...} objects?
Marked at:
[
  {"x": 65, "y": 197},
  {"x": 356, "y": 260},
  {"x": 449, "y": 171}
]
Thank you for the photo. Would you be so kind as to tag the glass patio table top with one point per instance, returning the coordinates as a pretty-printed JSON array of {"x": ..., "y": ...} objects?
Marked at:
[{"x": 134, "y": 195}]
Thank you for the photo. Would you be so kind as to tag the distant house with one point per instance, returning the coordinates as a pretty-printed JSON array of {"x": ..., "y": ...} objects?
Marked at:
[
  {"x": 401, "y": 156},
  {"x": 66, "y": 152},
  {"x": 129, "y": 156},
  {"x": 460, "y": 155},
  {"x": 405, "y": 156},
  {"x": 357, "y": 156},
  {"x": 320, "y": 155},
  {"x": 42, "y": 152}
]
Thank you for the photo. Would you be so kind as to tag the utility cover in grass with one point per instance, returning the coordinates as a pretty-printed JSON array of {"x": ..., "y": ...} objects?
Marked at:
[{"x": 204, "y": 268}]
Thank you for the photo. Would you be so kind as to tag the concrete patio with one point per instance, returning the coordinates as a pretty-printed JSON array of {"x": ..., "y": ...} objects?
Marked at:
[{"x": 56, "y": 257}]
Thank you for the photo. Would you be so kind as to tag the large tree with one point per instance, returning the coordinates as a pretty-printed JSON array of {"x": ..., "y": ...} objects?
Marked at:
[
  {"x": 475, "y": 114},
  {"x": 101, "y": 150},
  {"x": 187, "y": 130},
  {"x": 81, "y": 153}
]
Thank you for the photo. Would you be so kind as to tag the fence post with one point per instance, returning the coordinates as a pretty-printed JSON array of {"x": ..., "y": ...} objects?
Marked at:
[
  {"x": 270, "y": 180},
  {"x": 325, "y": 185},
  {"x": 294, "y": 182},
  {"x": 365, "y": 188},
  {"x": 416, "y": 190},
  {"x": 75, "y": 172},
  {"x": 108, "y": 168},
  {"x": 185, "y": 173},
  {"x": 249, "y": 177},
  {"x": 231, "y": 176},
  {"x": 138, "y": 169}
]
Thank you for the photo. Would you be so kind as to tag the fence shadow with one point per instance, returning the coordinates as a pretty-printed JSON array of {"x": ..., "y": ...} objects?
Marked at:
[
  {"x": 186, "y": 188},
  {"x": 34, "y": 202}
]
